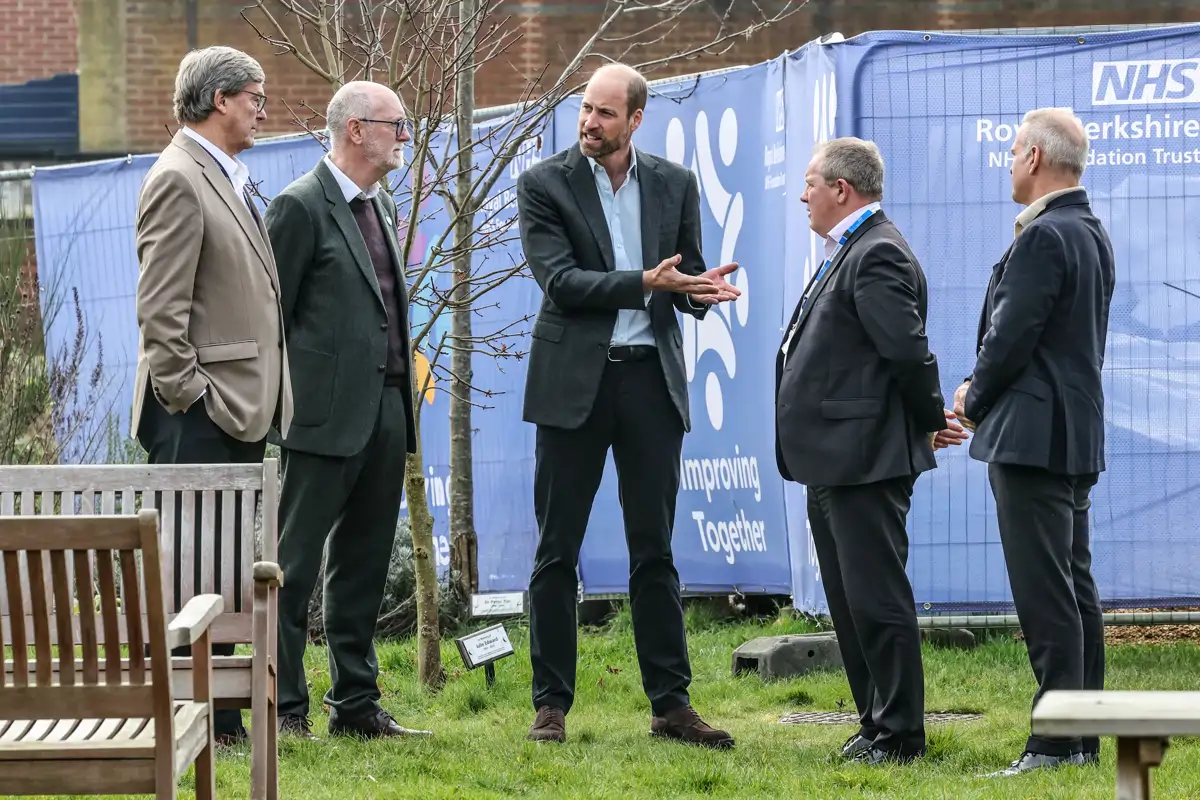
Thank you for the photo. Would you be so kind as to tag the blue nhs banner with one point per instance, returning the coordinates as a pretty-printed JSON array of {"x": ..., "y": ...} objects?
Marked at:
[
  {"x": 945, "y": 111},
  {"x": 811, "y": 107},
  {"x": 729, "y": 526}
]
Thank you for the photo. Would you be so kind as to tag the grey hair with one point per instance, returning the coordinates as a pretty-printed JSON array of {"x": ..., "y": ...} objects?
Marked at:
[
  {"x": 1060, "y": 135},
  {"x": 203, "y": 73},
  {"x": 350, "y": 101},
  {"x": 856, "y": 161}
]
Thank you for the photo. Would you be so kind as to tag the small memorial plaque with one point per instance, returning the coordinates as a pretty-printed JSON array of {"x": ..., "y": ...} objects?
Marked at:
[
  {"x": 485, "y": 646},
  {"x": 498, "y": 604}
]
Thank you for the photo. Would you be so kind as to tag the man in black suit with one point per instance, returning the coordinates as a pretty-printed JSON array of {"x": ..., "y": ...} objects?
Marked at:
[
  {"x": 345, "y": 311},
  {"x": 1036, "y": 402},
  {"x": 857, "y": 404},
  {"x": 612, "y": 235}
]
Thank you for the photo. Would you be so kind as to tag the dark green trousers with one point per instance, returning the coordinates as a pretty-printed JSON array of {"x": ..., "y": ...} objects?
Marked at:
[{"x": 350, "y": 505}]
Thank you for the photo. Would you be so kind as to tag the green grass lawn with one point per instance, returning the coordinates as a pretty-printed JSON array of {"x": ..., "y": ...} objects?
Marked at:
[{"x": 479, "y": 750}]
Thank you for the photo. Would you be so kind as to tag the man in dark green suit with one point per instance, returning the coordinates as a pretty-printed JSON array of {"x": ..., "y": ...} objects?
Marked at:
[{"x": 345, "y": 315}]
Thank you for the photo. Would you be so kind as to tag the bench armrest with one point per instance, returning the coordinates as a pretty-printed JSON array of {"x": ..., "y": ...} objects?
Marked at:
[
  {"x": 194, "y": 619},
  {"x": 268, "y": 572}
]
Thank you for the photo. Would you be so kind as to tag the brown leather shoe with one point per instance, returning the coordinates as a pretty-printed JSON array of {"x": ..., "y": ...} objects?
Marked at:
[
  {"x": 550, "y": 725},
  {"x": 685, "y": 725}
]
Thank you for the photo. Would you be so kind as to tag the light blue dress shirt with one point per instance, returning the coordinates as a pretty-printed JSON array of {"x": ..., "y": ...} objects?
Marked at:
[{"x": 623, "y": 213}]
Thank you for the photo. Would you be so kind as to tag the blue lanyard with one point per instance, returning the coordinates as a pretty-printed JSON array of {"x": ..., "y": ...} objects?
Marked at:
[{"x": 842, "y": 241}]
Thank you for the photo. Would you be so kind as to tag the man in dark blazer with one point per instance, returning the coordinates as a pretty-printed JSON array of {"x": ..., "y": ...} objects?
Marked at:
[
  {"x": 1036, "y": 402},
  {"x": 612, "y": 235},
  {"x": 857, "y": 403},
  {"x": 345, "y": 311}
]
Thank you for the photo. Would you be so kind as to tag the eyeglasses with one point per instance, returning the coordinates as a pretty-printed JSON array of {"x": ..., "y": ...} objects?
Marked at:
[
  {"x": 398, "y": 124},
  {"x": 260, "y": 100}
]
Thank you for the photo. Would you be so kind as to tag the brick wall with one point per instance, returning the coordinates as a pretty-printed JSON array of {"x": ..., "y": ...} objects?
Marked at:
[
  {"x": 37, "y": 39},
  {"x": 129, "y": 49}
]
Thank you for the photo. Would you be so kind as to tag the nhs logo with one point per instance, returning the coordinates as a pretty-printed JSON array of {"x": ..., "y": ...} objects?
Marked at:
[{"x": 1123, "y": 83}]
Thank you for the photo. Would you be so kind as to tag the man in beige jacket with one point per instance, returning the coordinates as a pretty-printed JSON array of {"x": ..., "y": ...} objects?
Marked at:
[{"x": 212, "y": 372}]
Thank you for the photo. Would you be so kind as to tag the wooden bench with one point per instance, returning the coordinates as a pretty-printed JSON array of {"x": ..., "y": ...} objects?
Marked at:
[
  {"x": 1143, "y": 723},
  {"x": 99, "y": 724},
  {"x": 216, "y": 557}
]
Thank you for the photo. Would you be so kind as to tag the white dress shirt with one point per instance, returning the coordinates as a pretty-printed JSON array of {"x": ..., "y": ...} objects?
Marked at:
[
  {"x": 235, "y": 168},
  {"x": 350, "y": 189},
  {"x": 831, "y": 242}
]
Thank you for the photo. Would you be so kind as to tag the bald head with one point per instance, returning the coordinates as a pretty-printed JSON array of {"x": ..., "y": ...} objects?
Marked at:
[
  {"x": 357, "y": 100},
  {"x": 1060, "y": 136},
  {"x": 626, "y": 77}
]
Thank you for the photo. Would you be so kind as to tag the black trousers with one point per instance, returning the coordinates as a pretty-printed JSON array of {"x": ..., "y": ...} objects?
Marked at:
[
  {"x": 353, "y": 505},
  {"x": 193, "y": 438},
  {"x": 861, "y": 541},
  {"x": 1044, "y": 531},
  {"x": 633, "y": 415}
]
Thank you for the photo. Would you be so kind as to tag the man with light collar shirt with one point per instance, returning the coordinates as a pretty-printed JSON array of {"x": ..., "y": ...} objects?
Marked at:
[
  {"x": 345, "y": 309},
  {"x": 1036, "y": 401},
  {"x": 857, "y": 402},
  {"x": 212, "y": 368}
]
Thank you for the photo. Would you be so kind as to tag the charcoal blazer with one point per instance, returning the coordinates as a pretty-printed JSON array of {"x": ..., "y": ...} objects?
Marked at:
[
  {"x": 569, "y": 250},
  {"x": 1036, "y": 393},
  {"x": 858, "y": 391}
]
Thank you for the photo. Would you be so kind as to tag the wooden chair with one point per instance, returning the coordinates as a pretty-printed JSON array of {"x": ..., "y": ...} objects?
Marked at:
[
  {"x": 208, "y": 514},
  {"x": 99, "y": 724},
  {"x": 1143, "y": 723}
]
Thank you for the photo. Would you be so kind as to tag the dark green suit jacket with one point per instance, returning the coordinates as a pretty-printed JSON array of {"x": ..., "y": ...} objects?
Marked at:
[{"x": 333, "y": 315}]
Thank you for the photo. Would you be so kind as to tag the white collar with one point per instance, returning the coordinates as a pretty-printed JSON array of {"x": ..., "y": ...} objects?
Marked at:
[
  {"x": 350, "y": 189},
  {"x": 235, "y": 168},
  {"x": 838, "y": 230},
  {"x": 630, "y": 174}
]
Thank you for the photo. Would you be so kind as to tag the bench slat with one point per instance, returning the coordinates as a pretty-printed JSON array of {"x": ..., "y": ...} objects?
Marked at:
[
  {"x": 230, "y": 585},
  {"x": 1117, "y": 713},
  {"x": 147, "y": 477}
]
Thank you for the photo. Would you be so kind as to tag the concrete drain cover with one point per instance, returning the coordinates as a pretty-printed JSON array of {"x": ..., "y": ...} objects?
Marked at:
[{"x": 844, "y": 718}]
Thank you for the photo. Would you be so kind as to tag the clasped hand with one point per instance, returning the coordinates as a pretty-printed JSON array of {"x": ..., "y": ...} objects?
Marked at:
[
  {"x": 710, "y": 287},
  {"x": 957, "y": 424}
]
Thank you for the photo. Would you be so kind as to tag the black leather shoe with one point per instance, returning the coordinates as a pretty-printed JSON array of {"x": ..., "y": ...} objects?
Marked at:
[
  {"x": 855, "y": 745},
  {"x": 1031, "y": 761},
  {"x": 373, "y": 726},
  {"x": 297, "y": 725},
  {"x": 874, "y": 756}
]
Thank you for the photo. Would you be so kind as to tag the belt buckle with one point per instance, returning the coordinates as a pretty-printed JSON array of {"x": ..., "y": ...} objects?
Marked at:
[{"x": 611, "y": 348}]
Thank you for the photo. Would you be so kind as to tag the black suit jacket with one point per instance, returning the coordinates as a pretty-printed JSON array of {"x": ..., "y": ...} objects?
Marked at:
[
  {"x": 333, "y": 314},
  {"x": 1036, "y": 393},
  {"x": 858, "y": 392},
  {"x": 569, "y": 249}
]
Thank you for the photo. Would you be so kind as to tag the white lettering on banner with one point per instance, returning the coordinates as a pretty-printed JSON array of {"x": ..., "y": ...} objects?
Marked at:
[
  {"x": 731, "y": 536},
  {"x": 1147, "y": 127},
  {"x": 736, "y": 474},
  {"x": 1139, "y": 82},
  {"x": 728, "y": 474}
]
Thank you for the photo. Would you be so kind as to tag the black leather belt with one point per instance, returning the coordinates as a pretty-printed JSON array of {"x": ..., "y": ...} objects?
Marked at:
[{"x": 632, "y": 352}]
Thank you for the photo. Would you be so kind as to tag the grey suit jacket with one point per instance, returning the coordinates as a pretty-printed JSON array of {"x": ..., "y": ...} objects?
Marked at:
[
  {"x": 333, "y": 314},
  {"x": 569, "y": 249}
]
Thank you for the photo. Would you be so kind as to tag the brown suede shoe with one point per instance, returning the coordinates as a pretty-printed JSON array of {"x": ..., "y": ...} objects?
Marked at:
[
  {"x": 550, "y": 725},
  {"x": 685, "y": 725}
]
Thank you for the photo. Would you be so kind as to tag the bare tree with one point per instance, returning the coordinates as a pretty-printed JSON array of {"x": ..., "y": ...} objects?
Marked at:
[{"x": 429, "y": 51}]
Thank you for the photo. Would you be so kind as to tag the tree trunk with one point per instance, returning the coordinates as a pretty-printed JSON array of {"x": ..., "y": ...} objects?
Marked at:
[
  {"x": 464, "y": 564},
  {"x": 420, "y": 524}
]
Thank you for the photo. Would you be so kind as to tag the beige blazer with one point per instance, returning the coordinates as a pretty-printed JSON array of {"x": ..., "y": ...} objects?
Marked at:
[{"x": 208, "y": 299}]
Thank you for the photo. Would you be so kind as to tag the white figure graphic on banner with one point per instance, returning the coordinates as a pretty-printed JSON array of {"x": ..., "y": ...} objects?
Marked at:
[{"x": 715, "y": 331}]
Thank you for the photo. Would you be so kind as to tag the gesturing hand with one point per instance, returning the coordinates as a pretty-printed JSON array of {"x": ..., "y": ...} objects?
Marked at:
[
  {"x": 952, "y": 434},
  {"x": 666, "y": 278},
  {"x": 726, "y": 291}
]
